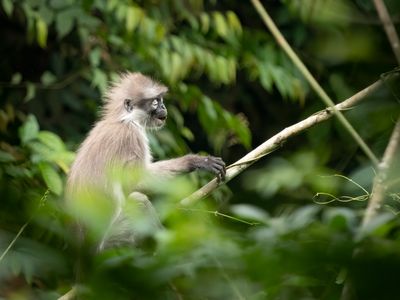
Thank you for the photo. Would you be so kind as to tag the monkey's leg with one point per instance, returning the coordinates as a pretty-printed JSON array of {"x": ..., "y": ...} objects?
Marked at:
[
  {"x": 146, "y": 208},
  {"x": 119, "y": 199},
  {"x": 134, "y": 220}
]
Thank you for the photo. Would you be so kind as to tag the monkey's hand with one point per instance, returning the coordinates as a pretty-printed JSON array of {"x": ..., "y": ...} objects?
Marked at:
[{"x": 210, "y": 163}]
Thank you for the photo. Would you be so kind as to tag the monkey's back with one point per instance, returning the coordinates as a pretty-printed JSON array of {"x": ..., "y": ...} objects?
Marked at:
[{"x": 108, "y": 145}]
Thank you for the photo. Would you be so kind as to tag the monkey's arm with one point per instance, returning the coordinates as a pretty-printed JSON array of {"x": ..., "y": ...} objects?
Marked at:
[{"x": 189, "y": 163}]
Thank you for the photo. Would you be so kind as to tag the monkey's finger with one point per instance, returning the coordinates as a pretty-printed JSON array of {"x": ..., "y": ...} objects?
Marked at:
[
  {"x": 220, "y": 171},
  {"x": 220, "y": 176},
  {"x": 217, "y": 160}
]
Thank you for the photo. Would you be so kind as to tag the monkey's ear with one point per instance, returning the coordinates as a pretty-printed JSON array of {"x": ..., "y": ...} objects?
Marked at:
[{"x": 128, "y": 104}]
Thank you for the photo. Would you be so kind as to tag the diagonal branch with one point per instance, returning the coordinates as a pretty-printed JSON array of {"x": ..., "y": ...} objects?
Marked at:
[
  {"x": 311, "y": 80},
  {"x": 276, "y": 141}
]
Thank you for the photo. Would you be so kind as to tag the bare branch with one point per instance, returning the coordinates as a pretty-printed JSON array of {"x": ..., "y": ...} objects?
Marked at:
[
  {"x": 276, "y": 141},
  {"x": 71, "y": 294},
  {"x": 311, "y": 80}
]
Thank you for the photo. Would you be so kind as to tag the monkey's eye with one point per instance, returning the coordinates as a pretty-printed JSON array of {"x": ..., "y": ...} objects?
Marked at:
[{"x": 154, "y": 104}]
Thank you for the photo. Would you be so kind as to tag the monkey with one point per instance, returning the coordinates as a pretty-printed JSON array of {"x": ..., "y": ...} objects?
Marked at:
[{"x": 134, "y": 104}]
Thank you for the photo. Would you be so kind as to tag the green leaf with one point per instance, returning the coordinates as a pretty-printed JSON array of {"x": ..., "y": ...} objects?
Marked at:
[
  {"x": 243, "y": 132},
  {"x": 30, "y": 92},
  {"x": 187, "y": 133},
  {"x": 133, "y": 17},
  {"x": 250, "y": 212},
  {"x": 65, "y": 22},
  {"x": 222, "y": 69},
  {"x": 205, "y": 22},
  {"x": 18, "y": 172},
  {"x": 51, "y": 140},
  {"x": 234, "y": 22},
  {"x": 6, "y": 157},
  {"x": 46, "y": 14},
  {"x": 47, "y": 78},
  {"x": 41, "y": 32},
  {"x": 209, "y": 108},
  {"x": 99, "y": 79},
  {"x": 95, "y": 57},
  {"x": 220, "y": 24},
  {"x": 29, "y": 130},
  {"x": 40, "y": 152},
  {"x": 51, "y": 178},
  {"x": 16, "y": 78},
  {"x": 8, "y": 7},
  {"x": 60, "y": 4},
  {"x": 176, "y": 67}
]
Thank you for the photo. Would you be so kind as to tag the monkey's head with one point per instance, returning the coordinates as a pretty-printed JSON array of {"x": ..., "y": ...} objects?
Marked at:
[{"x": 138, "y": 99}]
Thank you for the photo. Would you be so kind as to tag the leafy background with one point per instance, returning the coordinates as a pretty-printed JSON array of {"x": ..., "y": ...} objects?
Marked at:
[{"x": 263, "y": 236}]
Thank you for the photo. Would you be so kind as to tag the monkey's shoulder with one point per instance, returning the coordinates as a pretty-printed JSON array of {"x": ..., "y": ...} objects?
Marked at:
[
  {"x": 104, "y": 131},
  {"x": 121, "y": 139}
]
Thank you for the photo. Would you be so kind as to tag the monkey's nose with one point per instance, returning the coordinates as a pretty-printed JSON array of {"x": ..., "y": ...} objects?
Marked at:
[{"x": 162, "y": 115}]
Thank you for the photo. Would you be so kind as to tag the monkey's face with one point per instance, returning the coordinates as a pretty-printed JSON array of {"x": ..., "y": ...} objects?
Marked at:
[
  {"x": 157, "y": 113},
  {"x": 149, "y": 113}
]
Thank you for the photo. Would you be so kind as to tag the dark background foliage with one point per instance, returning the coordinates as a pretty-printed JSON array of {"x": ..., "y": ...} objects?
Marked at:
[{"x": 231, "y": 88}]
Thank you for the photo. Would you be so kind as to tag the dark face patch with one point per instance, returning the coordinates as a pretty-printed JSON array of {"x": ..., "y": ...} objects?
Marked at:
[{"x": 155, "y": 109}]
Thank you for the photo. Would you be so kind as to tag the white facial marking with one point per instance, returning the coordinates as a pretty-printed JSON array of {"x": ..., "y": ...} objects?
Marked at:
[{"x": 154, "y": 104}]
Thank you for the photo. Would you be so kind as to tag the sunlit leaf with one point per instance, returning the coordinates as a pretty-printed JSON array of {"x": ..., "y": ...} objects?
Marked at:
[
  {"x": 6, "y": 157},
  {"x": 99, "y": 79},
  {"x": 176, "y": 67},
  {"x": 95, "y": 57},
  {"x": 51, "y": 178},
  {"x": 234, "y": 22},
  {"x": 41, "y": 32},
  {"x": 51, "y": 140},
  {"x": 205, "y": 22},
  {"x": 48, "y": 78},
  {"x": 133, "y": 17},
  {"x": 29, "y": 130},
  {"x": 220, "y": 24},
  {"x": 8, "y": 7},
  {"x": 30, "y": 92},
  {"x": 16, "y": 78},
  {"x": 250, "y": 212}
]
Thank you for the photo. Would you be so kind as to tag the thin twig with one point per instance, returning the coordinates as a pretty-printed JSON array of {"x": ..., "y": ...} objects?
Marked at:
[
  {"x": 69, "y": 79},
  {"x": 389, "y": 27},
  {"x": 311, "y": 80},
  {"x": 217, "y": 213},
  {"x": 41, "y": 202},
  {"x": 275, "y": 142}
]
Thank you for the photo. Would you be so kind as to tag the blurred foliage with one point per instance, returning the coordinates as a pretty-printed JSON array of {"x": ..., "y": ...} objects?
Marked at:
[{"x": 231, "y": 87}]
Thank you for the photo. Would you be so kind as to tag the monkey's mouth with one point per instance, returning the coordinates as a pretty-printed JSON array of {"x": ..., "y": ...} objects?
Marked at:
[{"x": 162, "y": 118}]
